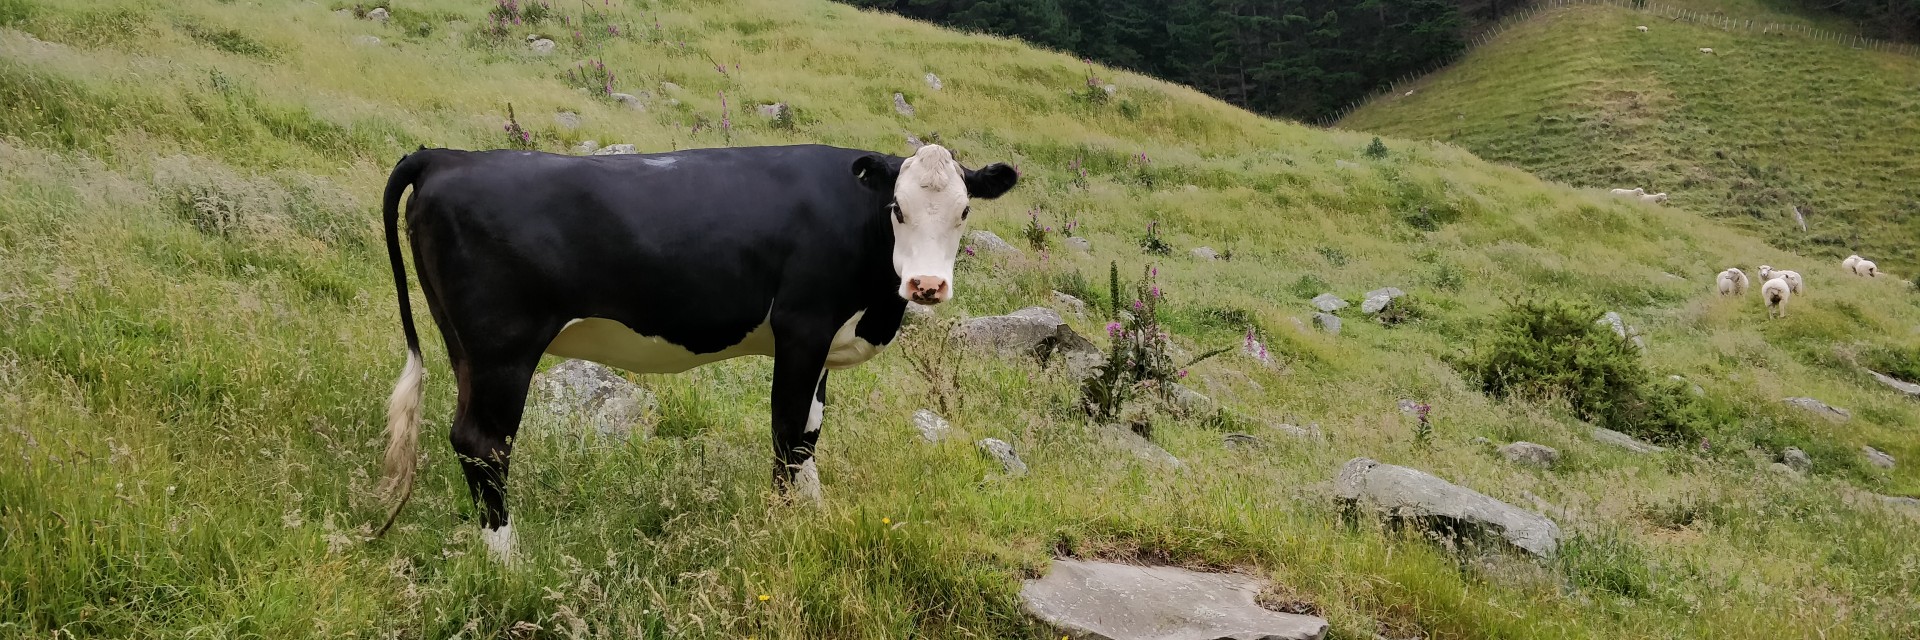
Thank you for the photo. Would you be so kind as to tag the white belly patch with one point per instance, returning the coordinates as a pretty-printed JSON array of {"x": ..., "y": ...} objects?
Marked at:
[
  {"x": 610, "y": 342},
  {"x": 848, "y": 349}
]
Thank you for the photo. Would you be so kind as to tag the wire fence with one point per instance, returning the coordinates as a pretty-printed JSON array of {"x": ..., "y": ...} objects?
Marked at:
[{"x": 1672, "y": 14}]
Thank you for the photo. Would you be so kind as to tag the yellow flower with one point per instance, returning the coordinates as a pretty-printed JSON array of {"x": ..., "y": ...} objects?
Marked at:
[
  {"x": 765, "y": 597},
  {"x": 886, "y": 521}
]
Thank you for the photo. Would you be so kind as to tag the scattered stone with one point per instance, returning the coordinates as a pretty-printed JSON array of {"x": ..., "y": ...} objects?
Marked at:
[
  {"x": 1898, "y": 385},
  {"x": 1613, "y": 321},
  {"x": 567, "y": 120},
  {"x": 771, "y": 111},
  {"x": 1001, "y": 451},
  {"x": 378, "y": 14},
  {"x": 1140, "y": 447},
  {"x": 1110, "y": 89},
  {"x": 933, "y": 82},
  {"x": 900, "y": 105},
  {"x": 1243, "y": 441},
  {"x": 1378, "y": 299},
  {"x": 670, "y": 87},
  {"x": 913, "y": 142},
  {"x": 629, "y": 100},
  {"x": 586, "y": 147},
  {"x": 1037, "y": 331},
  {"x": 1309, "y": 432},
  {"x": 1797, "y": 459},
  {"x": 1328, "y": 302},
  {"x": 1409, "y": 494},
  {"x": 1671, "y": 276},
  {"x": 1188, "y": 400},
  {"x": 1528, "y": 453},
  {"x": 1072, "y": 304},
  {"x": 1877, "y": 457},
  {"x": 1835, "y": 414},
  {"x": 1079, "y": 244},
  {"x": 917, "y": 312},
  {"x": 1106, "y": 601},
  {"x": 932, "y": 427},
  {"x": 577, "y": 395},
  {"x": 366, "y": 41},
  {"x": 984, "y": 240},
  {"x": 1390, "y": 292},
  {"x": 1624, "y": 441},
  {"x": 542, "y": 46},
  {"x": 615, "y": 150},
  {"x": 1901, "y": 502},
  {"x": 1205, "y": 253},
  {"x": 1327, "y": 322}
]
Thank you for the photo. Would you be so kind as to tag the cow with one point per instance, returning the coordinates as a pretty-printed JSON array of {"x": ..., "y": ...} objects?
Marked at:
[{"x": 659, "y": 263}]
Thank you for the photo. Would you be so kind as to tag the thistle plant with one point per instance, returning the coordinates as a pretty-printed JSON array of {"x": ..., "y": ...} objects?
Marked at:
[
  {"x": 517, "y": 136},
  {"x": 1139, "y": 359}
]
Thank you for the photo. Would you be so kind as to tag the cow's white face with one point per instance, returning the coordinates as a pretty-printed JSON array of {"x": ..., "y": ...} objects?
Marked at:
[{"x": 931, "y": 194}]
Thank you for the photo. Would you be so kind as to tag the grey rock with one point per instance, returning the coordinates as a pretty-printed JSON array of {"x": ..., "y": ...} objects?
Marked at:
[
  {"x": 670, "y": 87},
  {"x": 1901, "y": 502},
  {"x": 1079, "y": 244},
  {"x": 567, "y": 120},
  {"x": 1375, "y": 304},
  {"x": 1528, "y": 453},
  {"x": 1106, "y": 601},
  {"x": 1205, "y": 253},
  {"x": 913, "y": 142},
  {"x": 1835, "y": 414},
  {"x": 586, "y": 147},
  {"x": 1328, "y": 302},
  {"x": 1878, "y": 458},
  {"x": 378, "y": 15},
  {"x": 933, "y": 82},
  {"x": 1390, "y": 292},
  {"x": 344, "y": 13},
  {"x": 366, "y": 41},
  {"x": 1410, "y": 494},
  {"x": 577, "y": 396},
  {"x": 615, "y": 150},
  {"x": 1327, "y": 322},
  {"x": 1072, "y": 304},
  {"x": 1797, "y": 459},
  {"x": 628, "y": 100},
  {"x": 542, "y": 46},
  {"x": 900, "y": 105},
  {"x": 1002, "y": 452},
  {"x": 1613, "y": 321},
  {"x": 932, "y": 427},
  {"x": 1309, "y": 432},
  {"x": 1784, "y": 470},
  {"x": 1902, "y": 386},
  {"x": 989, "y": 242},
  {"x": 1624, "y": 441},
  {"x": 1409, "y": 406},
  {"x": 1482, "y": 441},
  {"x": 1110, "y": 89},
  {"x": 1242, "y": 441},
  {"x": 1141, "y": 448},
  {"x": 771, "y": 110},
  {"x": 1033, "y": 331},
  {"x": 918, "y": 313},
  {"x": 1187, "y": 399}
]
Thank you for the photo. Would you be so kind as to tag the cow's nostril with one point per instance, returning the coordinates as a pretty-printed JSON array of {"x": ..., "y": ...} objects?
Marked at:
[{"x": 914, "y": 283}]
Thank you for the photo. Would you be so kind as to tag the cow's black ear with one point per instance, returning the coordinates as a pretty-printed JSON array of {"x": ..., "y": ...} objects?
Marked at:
[
  {"x": 991, "y": 181},
  {"x": 875, "y": 172}
]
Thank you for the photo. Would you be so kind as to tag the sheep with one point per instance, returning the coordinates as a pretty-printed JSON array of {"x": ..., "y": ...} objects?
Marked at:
[
  {"x": 1642, "y": 28},
  {"x": 1776, "y": 293},
  {"x": 1849, "y": 262},
  {"x": 1706, "y": 49},
  {"x": 1793, "y": 280},
  {"x": 1732, "y": 282},
  {"x": 1629, "y": 193},
  {"x": 1866, "y": 268},
  {"x": 1653, "y": 198},
  {"x": 1765, "y": 272}
]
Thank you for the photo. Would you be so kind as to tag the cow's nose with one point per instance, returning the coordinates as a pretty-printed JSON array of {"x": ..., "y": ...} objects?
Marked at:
[{"x": 927, "y": 289}]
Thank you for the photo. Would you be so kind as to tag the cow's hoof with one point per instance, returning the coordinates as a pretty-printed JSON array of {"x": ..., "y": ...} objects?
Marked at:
[
  {"x": 803, "y": 486},
  {"x": 499, "y": 542}
]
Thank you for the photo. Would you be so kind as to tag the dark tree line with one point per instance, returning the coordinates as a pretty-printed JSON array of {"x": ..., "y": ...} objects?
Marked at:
[
  {"x": 1294, "y": 58},
  {"x": 1890, "y": 19}
]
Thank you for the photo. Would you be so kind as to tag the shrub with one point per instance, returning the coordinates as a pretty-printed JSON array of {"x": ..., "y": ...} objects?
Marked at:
[
  {"x": 1334, "y": 255},
  {"x": 1402, "y": 310},
  {"x": 1153, "y": 244},
  {"x": 1035, "y": 234},
  {"x": 1376, "y": 150},
  {"x": 1075, "y": 284}
]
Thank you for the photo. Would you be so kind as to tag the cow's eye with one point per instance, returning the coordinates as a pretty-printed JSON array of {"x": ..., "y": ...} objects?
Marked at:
[
  {"x": 964, "y": 212},
  {"x": 898, "y": 215}
]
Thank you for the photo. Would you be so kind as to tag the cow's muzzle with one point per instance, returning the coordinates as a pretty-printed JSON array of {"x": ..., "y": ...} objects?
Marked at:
[{"x": 927, "y": 289}]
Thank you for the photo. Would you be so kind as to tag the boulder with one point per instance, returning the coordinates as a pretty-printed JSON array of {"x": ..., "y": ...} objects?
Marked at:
[
  {"x": 1328, "y": 302},
  {"x": 1835, "y": 414},
  {"x": 987, "y": 241},
  {"x": 1141, "y": 448},
  {"x": 1412, "y": 495},
  {"x": 1037, "y": 331},
  {"x": 771, "y": 111},
  {"x": 933, "y": 82},
  {"x": 1902, "y": 386},
  {"x": 542, "y": 46},
  {"x": 576, "y": 396},
  {"x": 567, "y": 120},
  {"x": 1327, "y": 322},
  {"x": 1072, "y": 304},
  {"x": 586, "y": 147},
  {"x": 1002, "y": 452},
  {"x": 917, "y": 313},
  {"x": 1188, "y": 400},
  {"x": 1796, "y": 459},
  {"x": 1079, "y": 244},
  {"x": 914, "y": 143},
  {"x": 1624, "y": 441},
  {"x": 1531, "y": 454},
  {"x": 1106, "y": 601},
  {"x": 379, "y": 14},
  {"x": 1345, "y": 165},
  {"x": 628, "y": 100},
  {"x": 1204, "y": 253},
  {"x": 1878, "y": 458},
  {"x": 900, "y": 105},
  {"x": 1375, "y": 304},
  {"x": 615, "y": 150},
  {"x": 932, "y": 427},
  {"x": 1901, "y": 502},
  {"x": 1387, "y": 292},
  {"x": 1309, "y": 432}
]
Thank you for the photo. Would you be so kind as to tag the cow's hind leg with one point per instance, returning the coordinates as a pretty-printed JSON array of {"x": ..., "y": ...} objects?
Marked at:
[{"x": 493, "y": 394}]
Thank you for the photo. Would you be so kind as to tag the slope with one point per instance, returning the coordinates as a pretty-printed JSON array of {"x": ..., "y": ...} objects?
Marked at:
[
  {"x": 1767, "y": 122},
  {"x": 197, "y": 340}
]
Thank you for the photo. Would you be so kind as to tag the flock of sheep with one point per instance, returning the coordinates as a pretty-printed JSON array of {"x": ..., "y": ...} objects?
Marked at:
[{"x": 1779, "y": 285}]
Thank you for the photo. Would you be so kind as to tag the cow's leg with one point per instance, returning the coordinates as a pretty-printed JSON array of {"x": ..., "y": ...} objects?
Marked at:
[
  {"x": 493, "y": 393},
  {"x": 799, "y": 397}
]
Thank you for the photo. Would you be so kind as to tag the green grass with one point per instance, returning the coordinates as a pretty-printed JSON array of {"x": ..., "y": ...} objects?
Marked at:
[
  {"x": 1767, "y": 122},
  {"x": 197, "y": 340}
]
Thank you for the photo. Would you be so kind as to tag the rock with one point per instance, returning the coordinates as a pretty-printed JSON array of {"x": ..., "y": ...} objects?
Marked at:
[
  {"x": 1079, "y": 244},
  {"x": 1613, "y": 321},
  {"x": 615, "y": 150},
  {"x": 1528, "y": 453},
  {"x": 1624, "y": 441},
  {"x": 576, "y": 395},
  {"x": 1390, "y": 292},
  {"x": 1205, "y": 253},
  {"x": 629, "y": 100},
  {"x": 1001, "y": 451},
  {"x": 366, "y": 41},
  {"x": 914, "y": 143},
  {"x": 1409, "y": 494},
  {"x": 1409, "y": 406},
  {"x": 1901, "y": 502},
  {"x": 567, "y": 120},
  {"x": 1375, "y": 304},
  {"x": 917, "y": 312},
  {"x": 378, "y": 14},
  {"x": 1072, "y": 304},
  {"x": 1784, "y": 470},
  {"x": 670, "y": 87},
  {"x": 1797, "y": 459},
  {"x": 1878, "y": 458},
  {"x": 1110, "y": 89},
  {"x": 586, "y": 147},
  {"x": 1309, "y": 432},
  {"x": 344, "y": 13},
  {"x": 933, "y": 82},
  {"x": 1106, "y": 601},
  {"x": 771, "y": 111},
  {"x": 933, "y": 428},
  {"x": 1902, "y": 386},
  {"x": 1835, "y": 414},
  {"x": 1345, "y": 165},
  {"x": 1327, "y": 322},
  {"x": 1242, "y": 441},
  {"x": 542, "y": 46},
  {"x": 1140, "y": 447},
  {"x": 985, "y": 240},
  {"x": 1328, "y": 302},
  {"x": 1037, "y": 331},
  {"x": 900, "y": 105},
  {"x": 1188, "y": 400},
  {"x": 1482, "y": 441}
]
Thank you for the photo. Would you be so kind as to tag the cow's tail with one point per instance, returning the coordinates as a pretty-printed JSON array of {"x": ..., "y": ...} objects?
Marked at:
[{"x": 403, "y": 407}]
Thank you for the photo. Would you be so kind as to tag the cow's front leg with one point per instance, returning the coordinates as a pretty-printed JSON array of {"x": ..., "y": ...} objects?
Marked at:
[{"x": 799, "y": 399}]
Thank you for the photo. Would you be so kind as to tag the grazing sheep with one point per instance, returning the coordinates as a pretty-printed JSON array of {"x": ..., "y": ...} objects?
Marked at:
[
  {"x": 1653, "y": 198},
  {"x": 1706, "y": 49},
  {"x": 1642, "y": 28},
  {"x": 1776, "y": 293},
  {"x": 1765, "y": 272},
  {"x": 1629, "y": 193},
  {"x": 1793, "y": 280},
  {"x": 1848, "y": 264},
  {"x": 1732, "y": 282},
  {"x": 1866, "y": 268}
]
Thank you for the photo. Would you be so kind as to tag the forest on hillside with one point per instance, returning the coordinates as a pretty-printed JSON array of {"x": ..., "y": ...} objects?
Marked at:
[
  {"x": 1890, "y": 19},
  {"x": 1291, "y": 58}
]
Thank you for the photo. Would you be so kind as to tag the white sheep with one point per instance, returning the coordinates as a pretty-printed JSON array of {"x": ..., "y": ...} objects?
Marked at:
[
  {"x": 1635, "y": 192},
  {"x": 1765, "y": 272},
  {"x": 1706, "y": 49},
  {"x": 1866, "y": 268},
  {"x": 1642, "y": 28},
  {"x": 1849, "y": 262},
  {"x": 1732, "y": 282},
  {"x": 1653, "y": 198},
  {"x": 1776, "y": 293},
  {"x": 1793, "y": 280}
]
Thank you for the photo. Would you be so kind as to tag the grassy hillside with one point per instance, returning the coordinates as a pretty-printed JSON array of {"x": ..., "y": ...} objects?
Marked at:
[
  {"x": 1766, "y": 122},
  {"x": 197, "y": 340}
]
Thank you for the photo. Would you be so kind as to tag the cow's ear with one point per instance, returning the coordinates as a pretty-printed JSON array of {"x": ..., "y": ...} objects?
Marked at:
[
  {"x": 991, "y": 181},
  {"x": 875, "y": 172}
]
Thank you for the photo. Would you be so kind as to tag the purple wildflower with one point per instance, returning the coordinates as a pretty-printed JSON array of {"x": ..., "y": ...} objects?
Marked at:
[
  {"x": 1156, "y": 291},
  {"x": 969, "y": 249},
  {"x": 1183, "y": 373},
  {"x": 1137, "y": 305},
  {"x": 1113, "y": 329}
]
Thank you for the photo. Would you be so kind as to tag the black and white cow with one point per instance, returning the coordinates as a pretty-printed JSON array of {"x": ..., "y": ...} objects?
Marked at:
[{"x": 658, "y": 264}]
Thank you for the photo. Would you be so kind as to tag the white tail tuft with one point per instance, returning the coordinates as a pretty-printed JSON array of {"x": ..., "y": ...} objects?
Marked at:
[{"x": 403, "y": 436}]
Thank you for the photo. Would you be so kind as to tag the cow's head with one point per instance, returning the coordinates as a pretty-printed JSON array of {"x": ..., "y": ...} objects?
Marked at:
[{"x": 930, "y": 193}]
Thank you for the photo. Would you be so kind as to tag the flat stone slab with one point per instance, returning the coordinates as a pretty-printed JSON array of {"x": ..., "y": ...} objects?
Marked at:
[
  {"x": 1411, "y": 494},
  {"x": 1107, "y": 601},
  {"x": 1897, "y": 384},
  {"x": 1141, "y": 448},
  {"x": 1528, "y": 453},
  {"x": 1328, "y": 302},
  {"x": 989, "y": 242},
  {"x": 1625, "y": 441},
  {"x": 1829, "y": 412}
]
